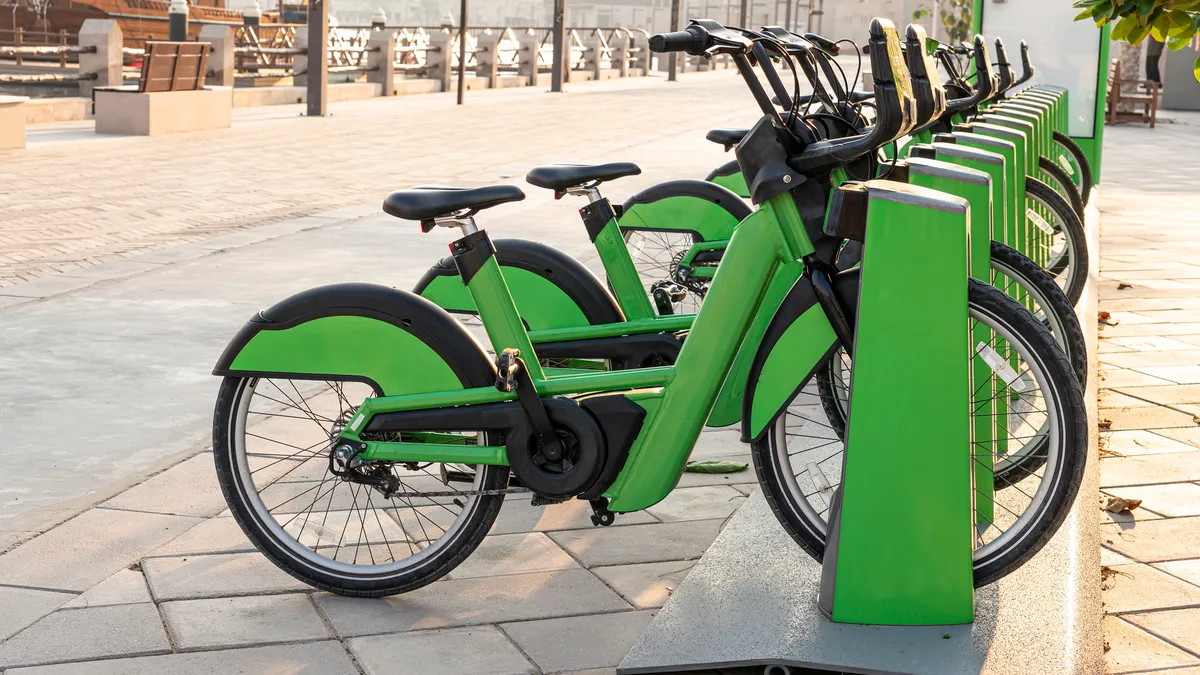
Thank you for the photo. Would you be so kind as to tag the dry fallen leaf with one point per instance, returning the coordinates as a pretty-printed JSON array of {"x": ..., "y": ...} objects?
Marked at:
[
  {"x": 1121, "y": 505},
  {"x": 1105, "y": 316},
  {"x": 1105, "y": 424},
  {"x": 1122, "y": 286}
]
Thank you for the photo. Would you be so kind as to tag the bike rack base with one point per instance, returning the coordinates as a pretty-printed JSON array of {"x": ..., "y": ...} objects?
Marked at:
[{"x": 751, "y": 601}]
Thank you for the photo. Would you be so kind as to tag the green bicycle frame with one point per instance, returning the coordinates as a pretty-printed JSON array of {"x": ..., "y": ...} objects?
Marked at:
[{"x": 677, "y": 399}]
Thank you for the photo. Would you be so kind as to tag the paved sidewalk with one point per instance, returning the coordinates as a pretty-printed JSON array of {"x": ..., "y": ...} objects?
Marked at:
[
  {"x": 73, "y": 199},
  {"x": 1150, "y": 397},
  {"x": 106, "y": 373}
]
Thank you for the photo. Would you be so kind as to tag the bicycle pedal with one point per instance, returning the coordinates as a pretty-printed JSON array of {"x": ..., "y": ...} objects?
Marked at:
[{"x": 508, "y": 366}]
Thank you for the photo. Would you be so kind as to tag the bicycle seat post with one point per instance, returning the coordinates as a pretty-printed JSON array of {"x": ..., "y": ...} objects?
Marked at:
[{"x": 464, "y": 220}]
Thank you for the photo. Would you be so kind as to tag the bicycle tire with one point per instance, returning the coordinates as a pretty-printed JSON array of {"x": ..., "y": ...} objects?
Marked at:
[
  {"x": 1065, "y": 186},
  {"x": 1068, "y": 468},
  {"x": 1075, "y": 259},
  {"x": 1081, "y": 160}
]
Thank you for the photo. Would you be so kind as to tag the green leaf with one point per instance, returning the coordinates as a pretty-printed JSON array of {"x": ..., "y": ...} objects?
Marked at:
[
  {"x": 1144, "y": 7},
  {"x": 1138, "y": 34},
  {"x": 1101, "y": 10},
  {"x": 1085, "y": 14},
  {"x": 1196, "y": 69},
  {"x": 715, "y": 467},
  {"x": 1088, "y": 3},
  {"x": 1160, "y": 27},
  {"x": 1181, "y": 24},
  {"x": 1175, "y": 44},
  {"x": 1124, "y": 27}
]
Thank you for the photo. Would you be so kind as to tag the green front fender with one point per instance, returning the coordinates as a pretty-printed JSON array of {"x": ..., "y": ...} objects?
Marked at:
[
  {"x": 797, "y": 342},
  {"x": 394, "y": 340}
]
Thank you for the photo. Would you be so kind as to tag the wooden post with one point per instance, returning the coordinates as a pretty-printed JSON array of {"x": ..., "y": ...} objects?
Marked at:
[
  {"x": 62, "y": 42},
  {"x": 318, "y": 58},
  {"x": 20, "y": 40},
  {"x": 462, "y": 51},
  {"x": 745, "y": 13},
  {"x": 672, "y": 58},
  {"x": 559, "y": 38}
]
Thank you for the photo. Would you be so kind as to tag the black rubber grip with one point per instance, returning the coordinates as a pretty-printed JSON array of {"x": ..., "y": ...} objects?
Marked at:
[{"x": 691, "y": 40}]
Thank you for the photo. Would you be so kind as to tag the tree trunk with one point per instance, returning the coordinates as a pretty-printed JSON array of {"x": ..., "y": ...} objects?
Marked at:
[{"x": 1131, "y": 68}]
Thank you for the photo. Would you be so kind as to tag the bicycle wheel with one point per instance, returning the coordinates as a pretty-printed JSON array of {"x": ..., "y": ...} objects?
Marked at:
[
  {"x": 1074, "y": 157},
  {"x": 1062, "y": 184},
  {"x": 272, "y": 440},
  {"x": 1019, "y": 278},
  {"x": 1067, "y": 259},
  {"x": 656, "y": 255},
  {"x": 799, "y": 470}
]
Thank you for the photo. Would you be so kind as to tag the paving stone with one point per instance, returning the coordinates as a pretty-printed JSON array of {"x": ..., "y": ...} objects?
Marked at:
[
  {"x": 1179, "y": 374},
  {"x": 1188, "y": 570},
  {"x": 1155, "y": 540},
  {"x": 718, "y": 443},
  {"x": 1149, "y": 343},
  {"x": 22, "y": 607},
  {"x": 127, "y": 587},
  {"x": 209, "y": 576},
  {"x": 1111, "y": 398},
  {"x": 640, "y": 543},
  {"x": 1175, "y": 394},
  {"x": 514, "y": 554},
  {"x": 698, "y": 503},
  {"x": 1146, "y": 417},
  {"x": 1142, "y": 442},
  {"x": 92, "y": 633},
  {"x": 1122, "y": 377},
  {"x": 520, "y": 516},
  {"x": 1142, "y": 361},
  {"x": 221, "y": 534},
  {"x": 1180, "y": 627},
  {"x": 189, "y": 488},
  {"x": 89, "y": 548},
  {"x": 1171, "y": 499},
  {"x": 465, "y": 602},
  {"x": 1189, "y": 436},
  {"x": 579, "y": 642},
  {"x": 1133, "y": 650},
  {"x": 1138, "y": 588},
  {"x": 313, "y": 658},
  {"x": 1111, "y": 557},
  {"x": 481, "y": 650},
  {"x": 645, "y": 585},
  {"x": 233, "y": 622},
  {"x": 1172, "y": 467}
]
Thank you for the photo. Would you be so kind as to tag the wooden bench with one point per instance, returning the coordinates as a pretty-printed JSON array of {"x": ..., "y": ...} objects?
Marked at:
[
  {"x": 169, "y": 97},
  {"x": 1148, "y": 100}
]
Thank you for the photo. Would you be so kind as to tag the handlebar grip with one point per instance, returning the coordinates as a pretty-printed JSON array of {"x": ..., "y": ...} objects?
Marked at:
[{"x": 693, "y": 40}]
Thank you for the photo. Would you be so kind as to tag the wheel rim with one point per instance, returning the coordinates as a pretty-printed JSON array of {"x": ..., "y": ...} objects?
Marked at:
[
  {"x": 1062, "y": 250},
  {"x": 1017, "y": 505},
  {"x": 656, "y": 255},
  {"x": 344, "y": 528}
]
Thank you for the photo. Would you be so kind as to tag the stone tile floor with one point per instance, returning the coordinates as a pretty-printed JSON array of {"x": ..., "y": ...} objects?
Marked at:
[
  {"x": 1149, "y": 354},
  {"x": 161, "y": 579}
]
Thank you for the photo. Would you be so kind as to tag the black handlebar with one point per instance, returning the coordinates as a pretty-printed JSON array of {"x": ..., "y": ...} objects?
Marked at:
[
  {"x": 693, "y": 40},
  {"x": 984, "y": 85},
  {"x": 1027, "y": 69},
  {"x": 1003, "y": 68}
]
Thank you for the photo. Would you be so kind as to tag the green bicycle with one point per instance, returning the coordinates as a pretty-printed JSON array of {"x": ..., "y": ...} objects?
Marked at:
[{"x": 365, "y": 442}]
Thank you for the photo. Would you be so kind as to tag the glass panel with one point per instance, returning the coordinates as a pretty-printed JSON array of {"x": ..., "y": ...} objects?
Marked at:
[{"x": 1064, "y": 51}]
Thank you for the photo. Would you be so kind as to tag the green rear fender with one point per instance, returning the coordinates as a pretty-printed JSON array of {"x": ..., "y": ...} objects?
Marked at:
[
  {"x": 729, "y": 175},
  {"x": 550, "y": 288},
  {"x": 394, "y": 340},
  {"x": 707, "y": 210},
  {"x": 797, "y": 342}
]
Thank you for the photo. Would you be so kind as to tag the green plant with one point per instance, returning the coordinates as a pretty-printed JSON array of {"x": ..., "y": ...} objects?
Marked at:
[
  {"x": 957, "y": 17},
  {"x": 1175, "y": 22}
]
